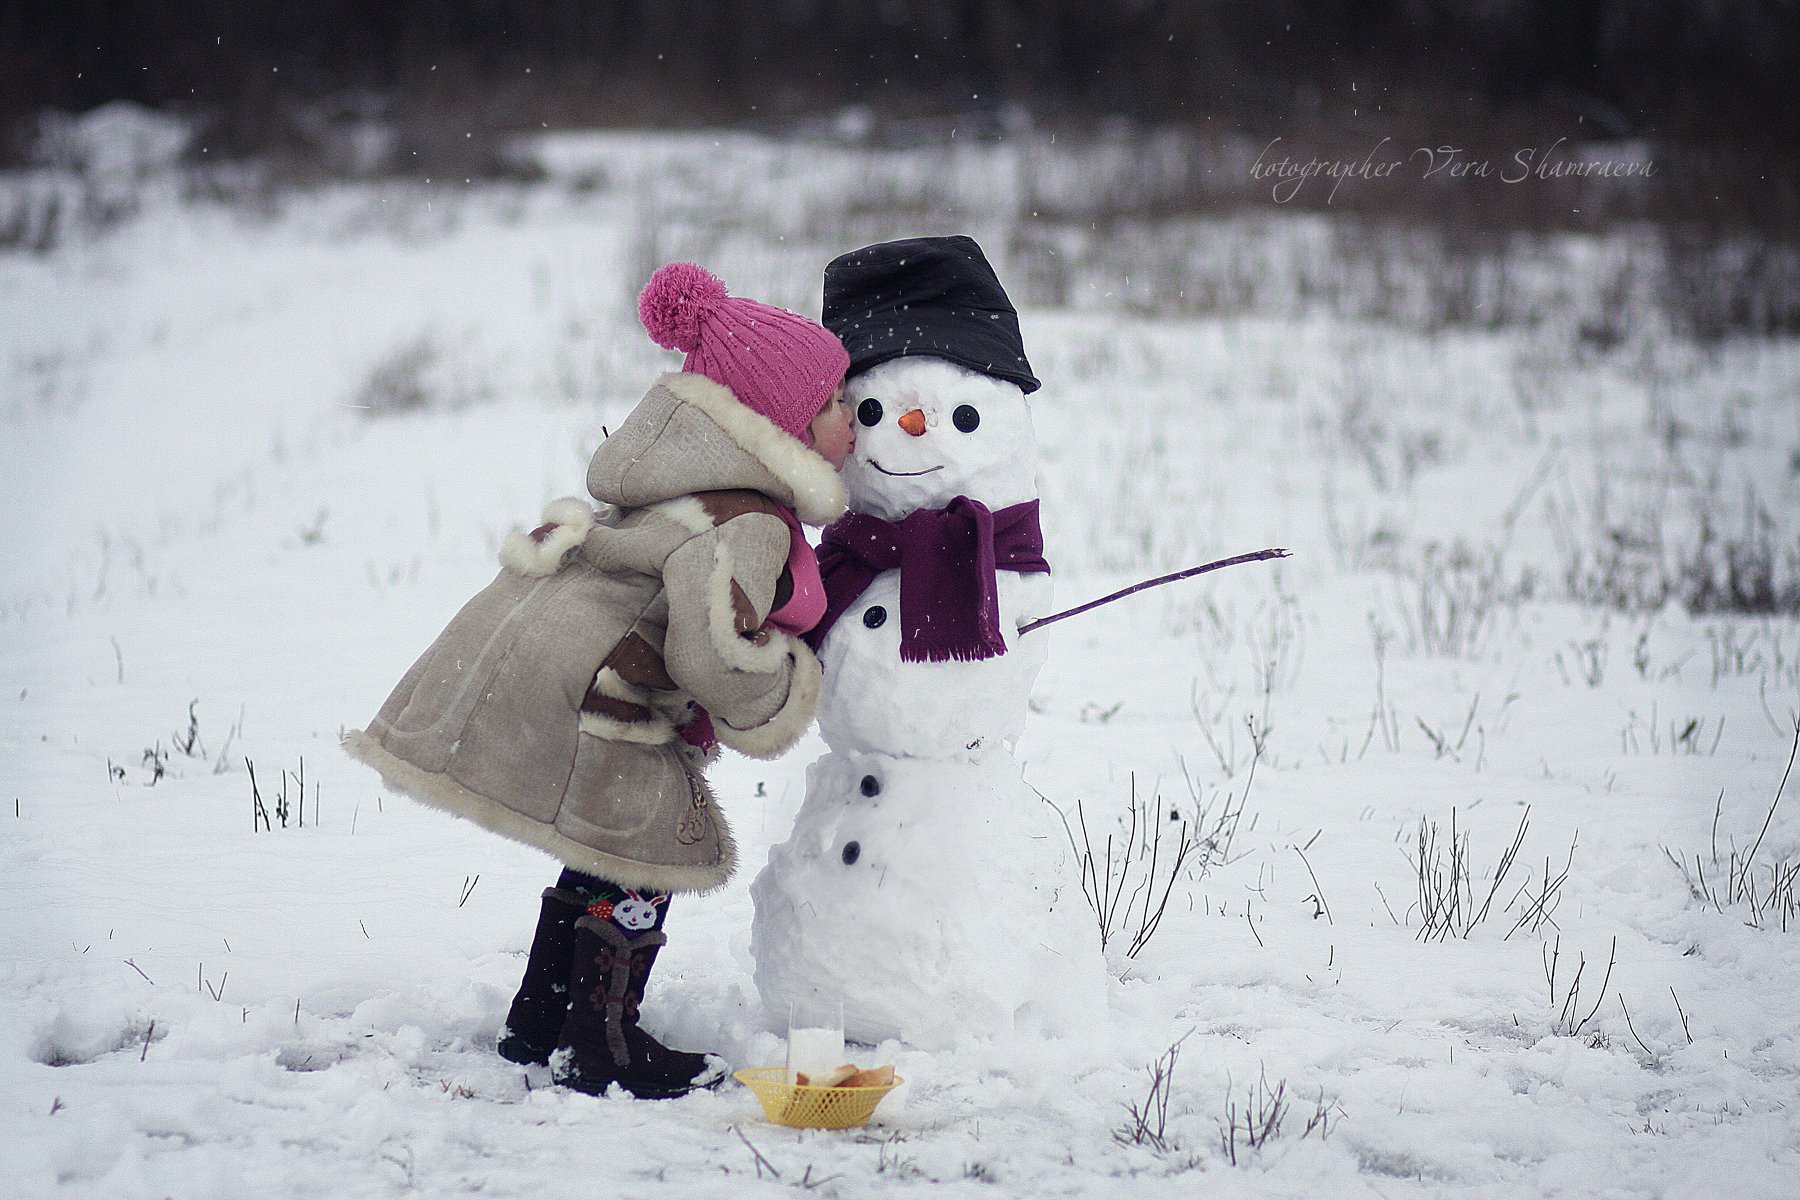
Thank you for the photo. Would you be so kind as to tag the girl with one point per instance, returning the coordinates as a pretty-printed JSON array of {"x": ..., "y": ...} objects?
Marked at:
[{"x": 574, "y": 704}]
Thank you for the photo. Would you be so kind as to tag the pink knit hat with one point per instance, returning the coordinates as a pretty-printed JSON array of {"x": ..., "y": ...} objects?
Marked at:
[{"x": 776, "y": 362}]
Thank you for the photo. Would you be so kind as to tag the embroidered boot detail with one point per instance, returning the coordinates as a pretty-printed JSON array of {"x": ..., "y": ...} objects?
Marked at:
[{"x": 601, "y": 1041}]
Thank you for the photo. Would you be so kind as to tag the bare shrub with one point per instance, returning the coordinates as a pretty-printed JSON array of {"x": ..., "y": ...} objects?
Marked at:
[
  {"x": 1148, "y": 1122},
  {"x": 1263, "y": 1114},
  {"x": 1454, "y": 598},
  {"x": 1761, "y": 889},
  {"x": 1768, "y": 649},
  {"x": 36, "y": 210},
  {"x": 398, "y": 381},
  {"x": 1393, "y": 454},
  {"x": 285, "y": 805},
  {"x": 1444, "y": 744},
  {"x": 1452, "y": 903},
  {"x": 88, "y": 173},
  {"x": 187, "y": 741},
  {"x": 1574, "y": 1012},
  {"x": 1733, "y": 556},
  {"x": 1215, "y": 817},
  {"x": 1753, "y": 571},
  {"x": 1617, "y": 565},
  {"x": 1363, "y": 542},
  {"x": 168, "y": 758},
  {"x": 1689, "y": 735},
  {"x": 420, "y": 374},
  {"x": 1713, "y": 286},
  {"x": 1128, "y": 882},
  {"x": 1274, "y": 637},
  {"x": 1220, "y": 732},
  {"x": 1588, "y": 658}
]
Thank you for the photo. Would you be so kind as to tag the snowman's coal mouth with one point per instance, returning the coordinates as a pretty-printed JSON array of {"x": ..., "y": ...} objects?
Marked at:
[{"x": 900, "y": 474}]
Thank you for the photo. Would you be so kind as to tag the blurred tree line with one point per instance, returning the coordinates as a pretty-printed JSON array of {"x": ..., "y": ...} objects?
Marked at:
[
  {"x": 431, "y": 91},
  {"x": 1674, "y": 68}
]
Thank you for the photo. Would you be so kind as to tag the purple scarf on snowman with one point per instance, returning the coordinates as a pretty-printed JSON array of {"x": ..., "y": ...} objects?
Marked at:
[{"x": 947, "y": 558}]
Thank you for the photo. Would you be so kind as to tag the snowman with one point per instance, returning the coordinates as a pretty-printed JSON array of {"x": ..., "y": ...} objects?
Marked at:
[{"x": 926, "y": 885}]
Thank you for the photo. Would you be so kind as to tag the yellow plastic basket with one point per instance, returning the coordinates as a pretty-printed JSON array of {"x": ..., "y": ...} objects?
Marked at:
[{"x": 812, "y": 1107}]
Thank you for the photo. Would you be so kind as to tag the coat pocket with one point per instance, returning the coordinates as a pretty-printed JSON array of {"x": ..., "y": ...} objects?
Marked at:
[
  {"x": 649, "y": 820},
  {"x": 625, "y": 798}
]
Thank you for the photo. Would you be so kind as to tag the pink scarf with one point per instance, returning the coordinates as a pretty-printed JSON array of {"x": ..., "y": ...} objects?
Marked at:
[{"x": 806, "y": 604}]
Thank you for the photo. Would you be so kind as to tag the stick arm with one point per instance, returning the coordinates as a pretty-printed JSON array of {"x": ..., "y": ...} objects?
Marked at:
[{"x": 1235, "y": 560}]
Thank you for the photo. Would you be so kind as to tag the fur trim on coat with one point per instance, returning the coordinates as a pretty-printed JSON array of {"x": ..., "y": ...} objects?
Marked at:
[
  {"x": 819, "y": 496},
  {"x": 777, "y": 735},
  {"x": 439, "y": 791},
  {"x": 567, "y": 522},
  {"x": 689, "y": 425}
]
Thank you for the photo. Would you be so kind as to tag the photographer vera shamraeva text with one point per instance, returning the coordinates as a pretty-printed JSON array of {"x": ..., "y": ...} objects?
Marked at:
[{"x": 1291, "y": 174}]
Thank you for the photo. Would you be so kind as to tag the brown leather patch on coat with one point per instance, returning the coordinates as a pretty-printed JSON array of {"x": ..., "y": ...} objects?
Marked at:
[
  {"x": 745, "y": 618},
  {"x": 618, "y": 710},
  {"x": 639, "y": 665},
  {"x": 723, "y": 506}
]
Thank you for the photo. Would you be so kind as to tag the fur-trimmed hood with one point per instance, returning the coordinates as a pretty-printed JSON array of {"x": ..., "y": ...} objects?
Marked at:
[{"x": 690, "y": 435}]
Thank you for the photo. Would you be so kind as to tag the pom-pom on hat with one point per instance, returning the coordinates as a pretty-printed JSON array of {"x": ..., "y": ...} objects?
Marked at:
[{"x": 777, "y": 363}]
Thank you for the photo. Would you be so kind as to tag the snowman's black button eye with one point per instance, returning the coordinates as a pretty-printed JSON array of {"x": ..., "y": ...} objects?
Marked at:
[
  {"x": 852, "y": 852},
  {"x": 875, "y": 616},
  {"x": 871, "y": 786},
  {"x": 869, "y": 412},
  {"x": 966, "y": 418}
]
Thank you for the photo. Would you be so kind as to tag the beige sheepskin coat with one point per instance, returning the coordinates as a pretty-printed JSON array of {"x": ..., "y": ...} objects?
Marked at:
[{"x": 550, "y": 709}]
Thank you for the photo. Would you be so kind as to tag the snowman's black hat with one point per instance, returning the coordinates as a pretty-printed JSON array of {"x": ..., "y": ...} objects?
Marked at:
[{"x": 930, "y": 295}]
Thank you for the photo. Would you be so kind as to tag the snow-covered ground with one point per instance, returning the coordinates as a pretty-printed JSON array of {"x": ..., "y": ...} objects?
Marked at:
[{"x": 250, "y": 462}]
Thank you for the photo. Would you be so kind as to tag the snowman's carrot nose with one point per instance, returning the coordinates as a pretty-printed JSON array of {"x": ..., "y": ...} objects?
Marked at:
[{"x": 914, "y": 423}]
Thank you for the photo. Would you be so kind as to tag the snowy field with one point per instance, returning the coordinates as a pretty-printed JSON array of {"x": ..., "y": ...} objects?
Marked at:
[{"x": 252, "y": 458}]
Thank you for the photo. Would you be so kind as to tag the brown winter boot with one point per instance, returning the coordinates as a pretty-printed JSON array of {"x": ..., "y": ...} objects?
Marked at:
[
  {"x": 601, "y": 1042},
  {"x": 537, "y": 1013}
]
